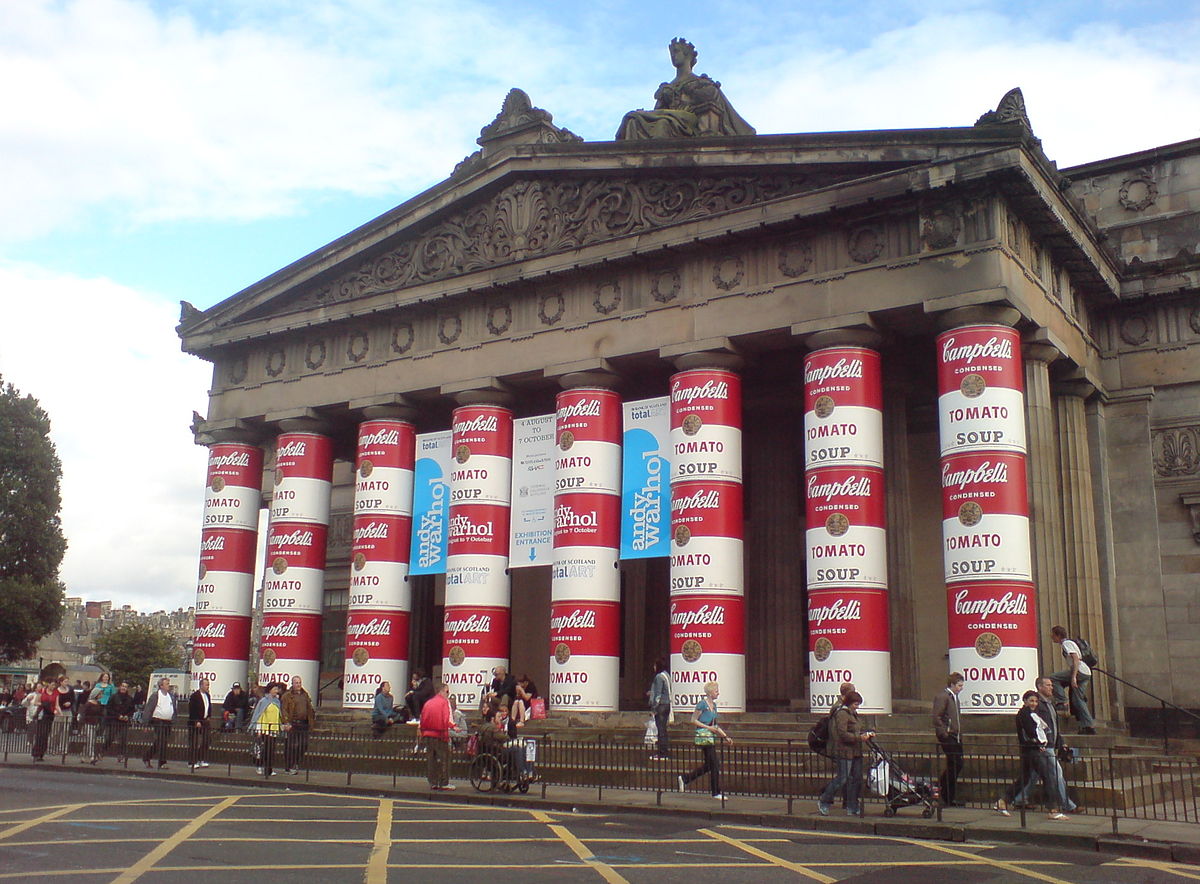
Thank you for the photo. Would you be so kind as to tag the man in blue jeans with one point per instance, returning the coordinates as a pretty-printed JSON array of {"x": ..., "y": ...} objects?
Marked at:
[{"x": 1078, "y": 675}]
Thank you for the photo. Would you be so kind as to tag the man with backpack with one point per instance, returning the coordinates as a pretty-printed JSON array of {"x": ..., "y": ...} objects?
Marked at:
[{"x": 1078, "y": 675}]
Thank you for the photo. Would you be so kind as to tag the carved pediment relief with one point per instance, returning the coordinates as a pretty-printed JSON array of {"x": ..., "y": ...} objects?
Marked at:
[{"x": 533, "y": 218}]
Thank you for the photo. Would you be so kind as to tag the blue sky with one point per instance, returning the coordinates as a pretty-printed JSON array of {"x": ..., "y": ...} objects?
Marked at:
[{"x": 153, "y": 152}]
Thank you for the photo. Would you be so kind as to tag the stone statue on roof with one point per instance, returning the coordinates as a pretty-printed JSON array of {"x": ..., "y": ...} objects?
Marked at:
[{"x": 688, "y": 106}]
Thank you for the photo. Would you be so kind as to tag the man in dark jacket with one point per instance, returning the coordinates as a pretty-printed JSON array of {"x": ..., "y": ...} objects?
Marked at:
[
  {"x": 420, "y": 692},
  {"x": 119, "y": 712},
  {"x": 237, "y": 707},
  {"x": 846, "y": 738},
  {"x": 299, "y": 716},
  {"x": 947, "y": 725},
  {"x": 199, "y": 710}
]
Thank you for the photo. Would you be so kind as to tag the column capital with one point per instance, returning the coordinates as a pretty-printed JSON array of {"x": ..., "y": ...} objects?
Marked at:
[
  {"x": 1074, "y": 382},
  {"x": 852, "y": 330},
  {"x": 978, "y": 314},
  {"x": 228, "y": 430},
  {"x": 1192, "y": 502},
  {"x": 300, "y": 420},
  {"x": 707, "y": 353},
  {"x": 387, "y": 406},
  {"x": 480, "y": 391},
  {"x": 594, "y": 372}
]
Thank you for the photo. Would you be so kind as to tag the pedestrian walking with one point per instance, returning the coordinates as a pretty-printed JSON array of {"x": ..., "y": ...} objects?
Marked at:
[
  {"x": 199, "y": 711},
  {"x": 1077, "y": 675},
  {"x": 947, "y": 726},
  {"x": 846, "y": 739},
  {"x": 159, "y": 713},
  {"x": 1036, "y": 742},
  {"x": 708, "y": 732},
  {"x": 660, "y": 708},
  {"x": 299, "y": 716},
  {"x": 435, "y": 737}
]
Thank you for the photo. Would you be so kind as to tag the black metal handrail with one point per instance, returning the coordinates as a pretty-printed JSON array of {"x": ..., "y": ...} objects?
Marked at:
[{"x": 1162, "y": 703}]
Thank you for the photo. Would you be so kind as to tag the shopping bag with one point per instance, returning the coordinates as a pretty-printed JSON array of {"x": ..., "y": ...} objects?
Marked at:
[
  {"x": 651, "y": 733},
  {"x": 537, "y": 707}
]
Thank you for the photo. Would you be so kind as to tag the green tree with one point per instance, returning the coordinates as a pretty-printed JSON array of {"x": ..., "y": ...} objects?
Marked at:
[
  {"x": 31, "y": 538},
  {"x": 133, "y": 650}
]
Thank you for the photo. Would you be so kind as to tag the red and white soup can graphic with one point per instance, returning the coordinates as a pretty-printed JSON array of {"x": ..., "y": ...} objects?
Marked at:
[
  {"x": 706, "y": 425},
  {"x": 843, "y": 421},
  {"x": 980, "y": 390}
]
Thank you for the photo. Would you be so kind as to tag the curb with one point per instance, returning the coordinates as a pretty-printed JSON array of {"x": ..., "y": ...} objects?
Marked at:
[{"x": 921, "y": 830}]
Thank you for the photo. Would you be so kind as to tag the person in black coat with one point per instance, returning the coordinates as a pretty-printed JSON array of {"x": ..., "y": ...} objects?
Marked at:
[
  {"x": 422, "y": 690},
  {"x": 237, "y": 708},
  {"x": 118, "y": 713},
  {"x": 199, "y": 710}
]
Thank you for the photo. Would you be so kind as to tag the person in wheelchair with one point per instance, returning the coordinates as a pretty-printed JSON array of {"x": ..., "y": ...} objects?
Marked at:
[{"x": 498, "y": 741}]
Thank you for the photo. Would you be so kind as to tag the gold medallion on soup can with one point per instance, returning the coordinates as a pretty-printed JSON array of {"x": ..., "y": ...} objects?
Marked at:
[
  {"x": 988, "y": 645},
  {"x": 691, "y": 650},
  {"x": 457, "y": 655},
  {"x": 462, "y": 453},
  {"x": 361, "y": 656},
  {"x": 973, "y": 385},
  {"x": 566, "y": 440},
  {"x": 837, "y": 524},
  {"x": 692, "y": 424},
  {"x": 217, "y": 484},
  {"x": 970, "y": 513},
  {"x": 279, "y": 564},
  {"x": 562, "y": 653},
  {"x": 360, "y": 561},
  {"x": 268, "y": 656},
  {"x": 824, "y": 406},
  {"x": 822, "y": 649},
  {"x": 366, "y": 468},
  {"x": 682, "y": 535}
]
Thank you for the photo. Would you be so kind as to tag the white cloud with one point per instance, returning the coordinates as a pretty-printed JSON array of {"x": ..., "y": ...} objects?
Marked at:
[{"x": 103, "y": 361}]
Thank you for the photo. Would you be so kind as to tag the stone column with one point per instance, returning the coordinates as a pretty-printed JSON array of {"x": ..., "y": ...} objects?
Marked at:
[
  {"x": 1085, "y": 612},
  {"x": 906, "y": 677},
  {"x": 1045, "y": 496}
]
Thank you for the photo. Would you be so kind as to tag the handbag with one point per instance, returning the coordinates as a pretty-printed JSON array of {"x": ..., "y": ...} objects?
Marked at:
[
  {"x": 705, "y": 737},
  {"x": 651, "y": 732},
  {"x": 537, "y": 707}
]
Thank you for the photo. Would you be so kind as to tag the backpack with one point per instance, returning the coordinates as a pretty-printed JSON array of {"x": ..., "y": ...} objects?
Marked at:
[
  {"x": 818, "y": 735},
  {"x": 1086, "y": 654}
]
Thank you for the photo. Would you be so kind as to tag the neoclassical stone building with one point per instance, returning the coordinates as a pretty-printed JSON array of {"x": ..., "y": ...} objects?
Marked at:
[{"x": 543, "y": 256}]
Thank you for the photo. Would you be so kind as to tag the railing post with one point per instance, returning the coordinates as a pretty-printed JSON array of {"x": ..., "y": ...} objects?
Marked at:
[
  {"x": 1163, "y": 722},
  {"x": 1112, "y": 773}
]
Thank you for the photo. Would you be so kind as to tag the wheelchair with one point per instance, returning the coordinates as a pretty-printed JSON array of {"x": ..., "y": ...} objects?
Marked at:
[{"x": 496, "y": 768}]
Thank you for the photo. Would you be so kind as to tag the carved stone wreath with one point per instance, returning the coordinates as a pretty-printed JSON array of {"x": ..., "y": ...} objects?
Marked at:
[
  {"x": 449, "y": 327},
  {"x": 529, "y": 218},
  {"x": 607, "y": 297},
  {"x": 403, "y": 337},
  {"x": 238, "y": 370},
  {"x": 728, "y": 272},
  {"x": 665, "y": 285},
  {"x": 865, "y": 243},
  {"x": 499, "y": 318},
  {"x": 358, "y": 346},
  {"x": 940, "y": 229},
  {"x": 314, "y": 355},
  {"x": 551, "y": 308},
  {"x": 795, "y": 258},
  {"x": 1135, "y": 329},
  {"x": 1138, "y": 193},
  {"x": 1176, "y": 452},
  {"x": 276, "y": 360}
]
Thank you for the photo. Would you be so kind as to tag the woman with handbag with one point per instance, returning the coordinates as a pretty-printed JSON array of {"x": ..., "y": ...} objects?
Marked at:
[
  {"x": 265, "y": 724},
  {"x": 708, "y": 732}
]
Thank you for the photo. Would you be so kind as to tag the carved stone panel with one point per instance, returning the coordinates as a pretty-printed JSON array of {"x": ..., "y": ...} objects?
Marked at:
[{"x": 1176, "y": 452}]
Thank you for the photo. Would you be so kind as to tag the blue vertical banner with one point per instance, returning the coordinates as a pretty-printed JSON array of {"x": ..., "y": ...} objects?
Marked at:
[
  {"x": 645, "y": 479},
  {"x": 431, "y": 504},
  {"x": 531, "y": 525}
]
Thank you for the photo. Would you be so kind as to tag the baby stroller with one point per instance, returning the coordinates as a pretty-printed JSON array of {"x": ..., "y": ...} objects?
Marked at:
[{"x": 898, "y": 789}]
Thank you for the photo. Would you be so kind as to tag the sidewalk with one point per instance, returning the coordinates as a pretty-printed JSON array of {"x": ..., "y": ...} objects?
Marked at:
[{"x": 1147, "y": 839}]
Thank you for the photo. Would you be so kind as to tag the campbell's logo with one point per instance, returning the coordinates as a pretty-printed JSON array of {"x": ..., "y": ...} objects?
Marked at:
[
  {"x": 375, "y": 627},
  {"x": 462, "y": 526},
  {"x": 987, "y": 473},
  {"x": 373, "y": 531},
  {"x": 705, "y": 615},
  {"x": 212, "y": 630},
  {"x": 839, "y": 610},
  {"x": 851, "y": 486},
  {"x": 295, "y": 538},
  {"x": 1011, "y": 604},
  {"x": 700, "y": 500},
  {"x": 212, "y": 544},
  {"x": 575, "y": 620},
  {"x": 485, "y": 423},
  {"x": 474, "y": 623},
  {"x": 993, "y": 348},
  {"x": 295, "y": 448},
  {"x": 582, "y": 408},
  {"x": 566, "y": 517},
  {"x": 233, "y": 459},
  {"x": 282, "y": 629},
  {"x": 843, "y": 368},
  {"x": 709, "y": 390},
  {"x": 379, "y": 437}
]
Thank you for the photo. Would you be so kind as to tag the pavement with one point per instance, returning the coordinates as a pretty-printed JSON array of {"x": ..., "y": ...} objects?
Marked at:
[{"x": 1152, "y": 840}]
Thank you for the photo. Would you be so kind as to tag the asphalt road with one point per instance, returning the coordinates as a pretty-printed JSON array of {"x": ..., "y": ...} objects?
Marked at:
[{"x": 66, "y": 825}]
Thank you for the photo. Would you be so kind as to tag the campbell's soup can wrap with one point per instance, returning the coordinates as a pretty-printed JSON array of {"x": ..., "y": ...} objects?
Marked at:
[
  {"x": 289, "y": 643},
  {"x": 593, "y": 467},
  {"x": 383, "y": 491},
  {"x": 856, "y": 493},
  {"x": 706, "y": 509},
  {"x": 284, "y": 669},
  {"x": 477, "y": 581},
  {"x": 227, "y": 549},
  {"x": 478, "y": 529},
  {"x": 222, "y": 675},
  {"x": 584, "y": 627},
  {"x": 300, "y": 500},
  {"x": 585, "y": 572},
  {"x": 220, "y": 638},
  {"x": 296, "y": 544},
  {"x": 359, "y": 682},
  {"x": 980, "y": 390},
  {"x": 380, "y": 586},
  {"x": 378, "y": 538},
  {"x": 843, "y": 421},
  {"x": 482, "y": 478},
  {"x": 688, "y": 679},
  {"x": 706, "y": 425},
  {"x": 994, "y": 684},
  {"x": 371, "y": 634},
  {"x": 588, "y": 415},
  {"x": 869, "y": 671},
  {"x": 985, "y": 524},
  {"x": 233, "y": 494},
  {"x": 303, "y": 456},
  {"x": 388, "y": 444},
  {"x": 481, "y": 430},
  {"x": 474, "y": 641},
  {"x": 993, "y": 642},
  {"x": 585, "y": 683},
  {"x": 587, "y": 520},
  {"x": 225, "y": 593},
  {"x": 847, "y": 619}
]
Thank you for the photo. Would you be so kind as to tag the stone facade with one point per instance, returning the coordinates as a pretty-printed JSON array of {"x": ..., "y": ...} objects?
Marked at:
[{"x": 543, "y": 255}]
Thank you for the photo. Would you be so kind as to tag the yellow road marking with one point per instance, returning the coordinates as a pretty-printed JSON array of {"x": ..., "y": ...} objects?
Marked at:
[
  {"x": 1169, "y": 868},
  {"x": 147, "y": 862},
  {"x": 769, "y": 857},
  {"x": 377, "y": 863},
  {"x": 124, "y": 803},
  {"x": 995, "y": 863},
  {"x": 607, "y": 872},
  {"x": 29, "y": 824}
]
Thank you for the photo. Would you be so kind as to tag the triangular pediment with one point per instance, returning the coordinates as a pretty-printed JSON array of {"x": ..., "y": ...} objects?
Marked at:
[{"x": 536, "y": 202}]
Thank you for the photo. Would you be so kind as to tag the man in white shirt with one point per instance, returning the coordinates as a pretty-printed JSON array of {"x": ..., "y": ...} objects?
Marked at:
[
  {"x": 159, "y": 712},
  {"x": 199, "y": 710},
  {"x": 1078, "y": 676}
]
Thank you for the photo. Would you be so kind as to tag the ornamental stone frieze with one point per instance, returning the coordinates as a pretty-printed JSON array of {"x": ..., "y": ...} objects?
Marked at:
[
  {"x": 1176, "y": 452},
  {"x": 533, "y": 218}
]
